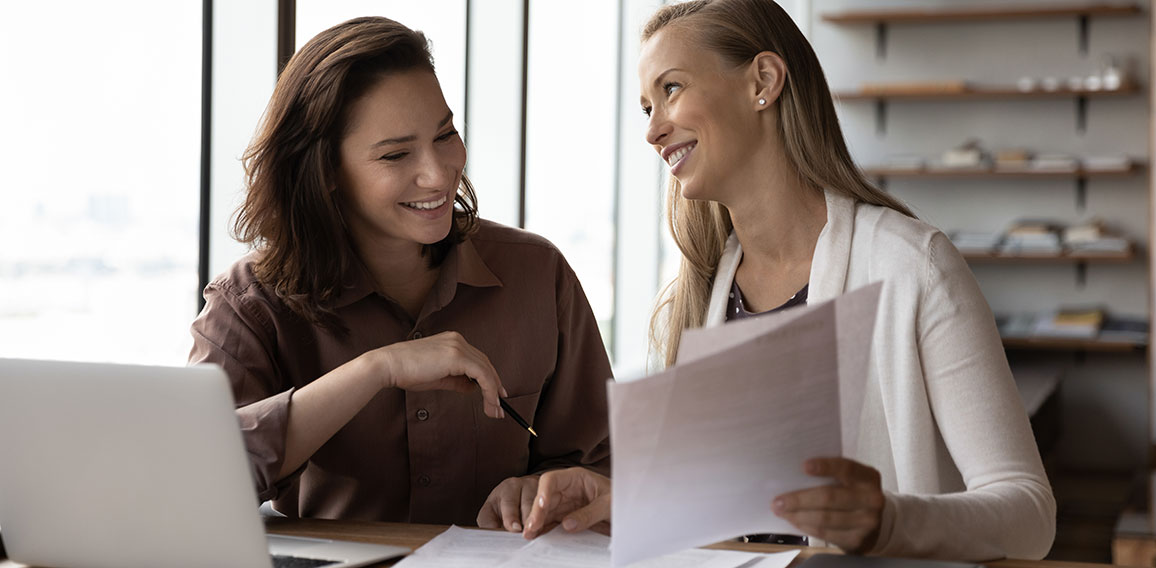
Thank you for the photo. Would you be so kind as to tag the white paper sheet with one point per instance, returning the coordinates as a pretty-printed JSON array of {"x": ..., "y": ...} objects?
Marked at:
[
  {"x": 701, "y": 449},
  {"x": 458, "y": 547},
  {"x": 464, "y": 548}
]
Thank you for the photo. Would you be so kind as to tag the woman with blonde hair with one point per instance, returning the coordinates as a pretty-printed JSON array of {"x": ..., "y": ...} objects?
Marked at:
[
  {"x": 376, "y": 298},
  {"x": 770, "y": 212}
]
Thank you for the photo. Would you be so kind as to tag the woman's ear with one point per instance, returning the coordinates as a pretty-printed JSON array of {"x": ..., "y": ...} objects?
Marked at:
[{"x": 769, "y": 72}]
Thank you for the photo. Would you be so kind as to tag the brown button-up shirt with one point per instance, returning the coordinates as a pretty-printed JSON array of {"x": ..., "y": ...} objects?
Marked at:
[{"x": 423, "y": 457}]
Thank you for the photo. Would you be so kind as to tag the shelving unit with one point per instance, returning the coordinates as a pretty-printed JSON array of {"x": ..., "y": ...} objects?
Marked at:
[
  {"x": 885, "y": 172},
  {"x": 982, "y": 93},
  {"x": 1096, "y": 257},
  {"x": 930, "y": 15},
  {"x": 883, "y": 95},
  {"x": 921, "y": 109},
  {"x": 881, "y": 19},
  {"x": 1087, "y": 345}
]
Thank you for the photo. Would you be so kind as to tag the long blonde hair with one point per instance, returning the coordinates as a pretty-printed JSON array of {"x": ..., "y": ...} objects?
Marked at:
[{"x": 738, "y": 30}]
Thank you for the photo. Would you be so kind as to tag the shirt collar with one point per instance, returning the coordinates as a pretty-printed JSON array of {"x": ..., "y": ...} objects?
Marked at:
[{"x": 462, "y": 265}]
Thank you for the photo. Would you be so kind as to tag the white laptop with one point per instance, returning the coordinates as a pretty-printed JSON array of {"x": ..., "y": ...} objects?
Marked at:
[{"x": 130, "y": 466}]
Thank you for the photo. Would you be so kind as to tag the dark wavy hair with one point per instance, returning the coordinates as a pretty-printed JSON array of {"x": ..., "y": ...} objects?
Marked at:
[{"x": 290, "y": 213}]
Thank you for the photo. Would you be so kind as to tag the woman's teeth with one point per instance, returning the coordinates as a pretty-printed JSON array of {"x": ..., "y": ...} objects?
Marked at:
[
  {"x": 678, "y": 154},
  {"x": 425, "y": 204}
]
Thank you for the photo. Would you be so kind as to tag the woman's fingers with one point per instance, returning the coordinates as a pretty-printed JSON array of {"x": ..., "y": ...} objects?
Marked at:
[
  {"x": 585, "y": 517},
  {"x": 445, "y": 361},
  {"x": 845, "y": 471},
  {"x": 832, "y": 497},
  {"x": 846, "y": 514},
  {"x": 576, "y": 497}
]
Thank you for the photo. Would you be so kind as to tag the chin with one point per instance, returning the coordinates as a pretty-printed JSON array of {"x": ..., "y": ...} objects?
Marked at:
[
  {"x": 693, "y": 191},
  {"x": 434, "y": 237}
]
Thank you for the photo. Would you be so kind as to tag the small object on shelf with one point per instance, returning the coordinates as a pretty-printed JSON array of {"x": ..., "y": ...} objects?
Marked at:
[
  {"x": 1016, "y": 326},
  {"x": 1075, "y": 83},
  {"x": 1125, "y": 329},
  {"x": 1055, "y": 163},
  {"x": 1026, "y": 84},
  {"x": 1032, "y": 237},
  {"x": 1112, "y": 74},
  {"x": 1050, "y": 84},
  {"x": 967, "y": 155},
  {"x": 976, "y": 242},
  {"x": 1071, "y": 323},
  {"x": 1091, "y": 238},
  {"x": 1013, "y": 159},
  {"x": 1107, "y": 163}
]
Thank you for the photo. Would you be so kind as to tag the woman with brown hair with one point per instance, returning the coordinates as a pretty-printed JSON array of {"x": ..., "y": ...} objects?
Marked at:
[
  {"x": 376, "y": 304},
  {"x": 770, "y": 212}
]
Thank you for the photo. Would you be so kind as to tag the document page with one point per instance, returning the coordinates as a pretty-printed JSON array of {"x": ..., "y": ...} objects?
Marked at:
[
  {"x": 559, "y": 549},
  {"x": 701, "y": 449},
  {"x": 459, "y": 548},
  {"x": 464, "y": 548}
]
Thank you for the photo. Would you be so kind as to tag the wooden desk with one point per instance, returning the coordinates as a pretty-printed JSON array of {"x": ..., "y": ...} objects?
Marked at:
[{"x": 413, "y": 536}]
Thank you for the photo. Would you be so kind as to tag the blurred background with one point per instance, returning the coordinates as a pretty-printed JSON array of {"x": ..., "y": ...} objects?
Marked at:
[{"x": 1022, "y": 129}]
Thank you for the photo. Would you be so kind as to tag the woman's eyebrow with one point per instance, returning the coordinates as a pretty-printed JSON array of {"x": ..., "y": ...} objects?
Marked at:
[{"x": 411, "y": 137}]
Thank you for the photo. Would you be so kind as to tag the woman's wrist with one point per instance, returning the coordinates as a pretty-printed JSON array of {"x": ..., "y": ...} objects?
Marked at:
[{"x": 376, "y": 364}]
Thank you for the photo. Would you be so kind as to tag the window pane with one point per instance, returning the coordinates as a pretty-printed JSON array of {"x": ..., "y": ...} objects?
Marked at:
[
  {"x": 101, "y": 179},
  {"x": 570, "y": 136},
  {"x": 442, "y": 21}
]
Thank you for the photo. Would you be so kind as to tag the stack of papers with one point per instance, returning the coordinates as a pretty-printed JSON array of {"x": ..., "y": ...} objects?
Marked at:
[
  {"x": 1055, "y": 163},
  {"x": 476, "y": 548},
  {"x": 701, "y": 449},
  {"x": 1032, "y": 237},
  {"x": 976, "y": 242},
  {"x": 1073, "y": 323}
]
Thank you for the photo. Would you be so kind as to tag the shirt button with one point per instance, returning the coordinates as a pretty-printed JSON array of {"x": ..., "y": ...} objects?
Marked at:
[
  {"x": 422, "y": 414},
  {"x": 423, "y": 480},
  {"x": 415, "y": 335}
]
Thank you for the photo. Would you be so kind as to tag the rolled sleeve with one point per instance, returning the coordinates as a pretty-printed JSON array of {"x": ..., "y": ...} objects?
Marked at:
[{"x": 235, "y": 336}]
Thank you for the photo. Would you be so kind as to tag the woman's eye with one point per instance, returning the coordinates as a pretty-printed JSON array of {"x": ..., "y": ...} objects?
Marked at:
[
  {"x": 447, "y": 135},
  {"x": 670, "y": 88},
  {"x": 646, "y": 111},
  {"x": 394, "y": 156}
]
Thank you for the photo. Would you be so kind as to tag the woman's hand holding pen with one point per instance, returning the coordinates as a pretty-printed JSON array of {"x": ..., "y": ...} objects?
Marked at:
[
  {"x": 847, "y": 513},
  {"x": 445, "y": 361}
]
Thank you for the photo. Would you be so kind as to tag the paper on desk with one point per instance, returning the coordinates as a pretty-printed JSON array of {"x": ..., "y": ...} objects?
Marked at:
[
  {"x": 559, "y": 549},
  {"x": 458, "y": 547},
  {"x": 464, "y": 548},
  {"x": 701, "y": 449}
]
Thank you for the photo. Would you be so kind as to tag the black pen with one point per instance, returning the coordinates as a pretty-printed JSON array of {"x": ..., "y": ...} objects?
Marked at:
[{"x": 513, "y": 413}]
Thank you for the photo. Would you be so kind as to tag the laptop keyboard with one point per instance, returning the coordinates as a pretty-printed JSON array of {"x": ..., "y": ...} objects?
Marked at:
[{"x": 281, "y": 561}]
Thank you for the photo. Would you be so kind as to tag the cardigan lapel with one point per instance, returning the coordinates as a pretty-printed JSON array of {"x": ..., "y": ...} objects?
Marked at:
[
  {"x": 724, "y": 276},
  {"x": 828, "y": 266},
  {"x": 833, "y": 250}
]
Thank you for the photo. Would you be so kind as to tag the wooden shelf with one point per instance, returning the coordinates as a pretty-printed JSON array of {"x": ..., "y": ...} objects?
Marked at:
[
  {"x": 929, "y": 15},
  {"x": 980, "y": 93},
  {"x": 1105, "y": 258},
  {"x": 1055, "y": 344},
  {"x": 997, "y": 173}
]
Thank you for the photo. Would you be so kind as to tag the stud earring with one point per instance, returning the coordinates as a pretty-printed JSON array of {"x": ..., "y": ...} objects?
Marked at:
[{"x": 762, "y": 101}]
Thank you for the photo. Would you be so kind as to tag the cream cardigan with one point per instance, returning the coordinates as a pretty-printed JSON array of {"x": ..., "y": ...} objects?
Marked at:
[{"x": 941, "y": 419}]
